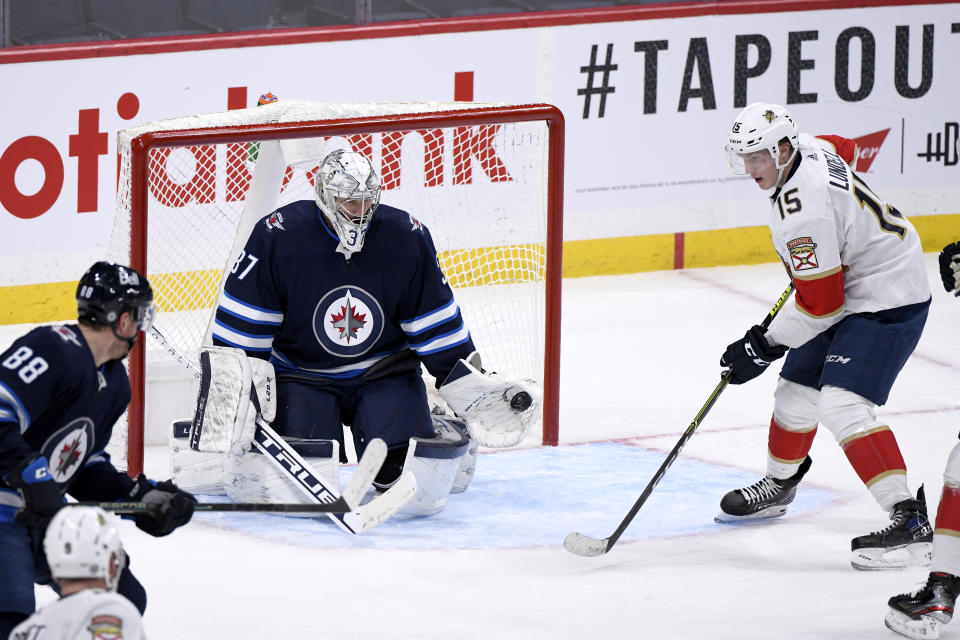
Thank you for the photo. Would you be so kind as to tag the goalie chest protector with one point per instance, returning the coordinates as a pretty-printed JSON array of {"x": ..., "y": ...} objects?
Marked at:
[{"x": 294, "y": 298}]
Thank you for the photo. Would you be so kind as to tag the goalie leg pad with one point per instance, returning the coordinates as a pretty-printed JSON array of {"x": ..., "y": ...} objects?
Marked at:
[
  {"x": 435, "y": 462},
  {"x": 234, "y": 389},
  {"x": 455, "y": 430},
  {"x": 194, "y": 471},
  {"x": 249, "y": 477}
]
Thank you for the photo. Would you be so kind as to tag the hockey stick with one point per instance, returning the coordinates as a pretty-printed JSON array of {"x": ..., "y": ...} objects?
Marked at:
[
  {"x": 337, "y": 506},
  {"x": 288, "y": 461},
  {"x": 584, "y": 545}
]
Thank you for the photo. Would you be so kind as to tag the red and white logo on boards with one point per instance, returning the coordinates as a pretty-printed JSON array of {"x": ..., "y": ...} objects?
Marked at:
[{"x": 869, "y": 148}]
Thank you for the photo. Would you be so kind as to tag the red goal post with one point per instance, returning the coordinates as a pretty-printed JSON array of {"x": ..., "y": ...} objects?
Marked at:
[{"x": 489, "y": 188}]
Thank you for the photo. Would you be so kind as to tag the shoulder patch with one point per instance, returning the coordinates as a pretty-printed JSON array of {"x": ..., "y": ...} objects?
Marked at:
[
  {"x": 274, "y": 221},
  {"x": 802, "y": 253},
  {"x": 106, "y": 627},
  {"x": 66, "y": 334},
  {"x": 414, "y": 223}
]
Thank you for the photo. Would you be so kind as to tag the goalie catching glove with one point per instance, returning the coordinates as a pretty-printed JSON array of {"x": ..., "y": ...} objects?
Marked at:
[{"x": 498, "y": 412}]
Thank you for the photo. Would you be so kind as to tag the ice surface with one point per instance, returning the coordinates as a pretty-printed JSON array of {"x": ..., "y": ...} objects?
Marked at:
[{"x": 640, "y": 356}]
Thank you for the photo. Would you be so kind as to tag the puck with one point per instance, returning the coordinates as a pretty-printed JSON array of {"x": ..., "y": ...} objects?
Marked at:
[{"x": 521, "y": 401}]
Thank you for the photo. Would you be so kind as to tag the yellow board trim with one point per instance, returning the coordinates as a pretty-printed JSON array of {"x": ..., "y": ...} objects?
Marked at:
[
  {"x": 54, "y": 301},
  {"x": 725, "y": 247}
]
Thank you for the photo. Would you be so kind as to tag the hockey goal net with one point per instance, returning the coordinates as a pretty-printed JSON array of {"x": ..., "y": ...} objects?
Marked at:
[{"x": 485, "y": 179}]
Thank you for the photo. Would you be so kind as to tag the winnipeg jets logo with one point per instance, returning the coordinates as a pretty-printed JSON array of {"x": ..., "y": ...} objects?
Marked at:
[
  {"x": 348, "y": 321},
  {"x": 67, "y": 335},
  {"x": 415, "y": 224},
  {"x": 68, "y": 455},
  {"x": 68, "y": 448}
]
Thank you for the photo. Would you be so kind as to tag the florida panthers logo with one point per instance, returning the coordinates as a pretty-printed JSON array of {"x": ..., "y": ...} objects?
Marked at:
[
  {"x": 68, "y": 448},
  {"x": 802, "y": 253},
  {"x": 106, "y": 627},
  {"x": 347, "y": 322}
]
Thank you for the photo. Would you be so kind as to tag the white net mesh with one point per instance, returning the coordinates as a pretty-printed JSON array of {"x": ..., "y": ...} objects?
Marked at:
[{"x": 481, "y": 189}]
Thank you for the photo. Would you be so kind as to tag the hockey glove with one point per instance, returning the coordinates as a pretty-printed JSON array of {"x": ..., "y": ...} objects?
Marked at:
[
  {"x": 750, "y": 356},
  {"x": 176, "y": 506},
  {"x": 950, "y": 268},
  {"x": 41, "y": 495}
]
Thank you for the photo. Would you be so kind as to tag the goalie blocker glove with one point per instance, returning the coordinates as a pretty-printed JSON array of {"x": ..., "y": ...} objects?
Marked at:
[
  {"x": 750, "y": 356},
  {"x": 175, "y": 506},
  {"x": 950, "y": 268},
  {"x": 40, "y": 494}
]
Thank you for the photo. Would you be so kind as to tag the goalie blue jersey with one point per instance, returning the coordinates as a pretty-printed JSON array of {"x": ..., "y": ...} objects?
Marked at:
[
  {"x": 292, "y": 298},
  {"x": 56, "y": 402}
]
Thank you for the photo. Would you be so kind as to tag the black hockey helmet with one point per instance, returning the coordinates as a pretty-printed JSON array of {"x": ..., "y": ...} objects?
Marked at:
[{"x": 106, "y": 290}]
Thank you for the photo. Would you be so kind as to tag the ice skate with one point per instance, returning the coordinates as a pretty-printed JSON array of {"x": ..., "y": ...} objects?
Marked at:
[
  {"x": 907, "y": 542},
  {"x": 767, "y": 498},
  {"x": 921, "y": 614}
]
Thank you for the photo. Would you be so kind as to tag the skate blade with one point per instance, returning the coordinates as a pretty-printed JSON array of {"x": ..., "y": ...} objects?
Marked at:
[
  {"x": 919, "y": 554},
  {"x": 764, "y": 514},
  {"x": 926, "y": 628}
]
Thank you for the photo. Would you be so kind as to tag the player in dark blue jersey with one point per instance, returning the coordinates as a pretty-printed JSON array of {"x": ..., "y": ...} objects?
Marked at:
[
  {"x": 62, "y": 388},
  {"x": 346, "y": 299}
]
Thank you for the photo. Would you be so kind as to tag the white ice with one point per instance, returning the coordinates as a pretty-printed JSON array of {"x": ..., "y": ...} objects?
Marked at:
[{"x": 640, "y": 356}]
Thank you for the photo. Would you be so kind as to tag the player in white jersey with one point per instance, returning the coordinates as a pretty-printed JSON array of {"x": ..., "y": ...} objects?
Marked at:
[
  {"x": 860, "y": 307},
  {"x": 921, "y": 614},
  {"x": 83, "y": 549}
]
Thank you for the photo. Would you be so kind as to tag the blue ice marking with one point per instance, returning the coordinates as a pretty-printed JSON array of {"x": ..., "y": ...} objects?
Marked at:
[{"x": 535, "y": 497}]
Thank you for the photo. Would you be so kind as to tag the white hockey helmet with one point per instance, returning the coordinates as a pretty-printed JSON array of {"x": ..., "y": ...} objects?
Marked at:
[
  {"x": 347, "y": 191},
  {"x": 83, "y": 543},
  {"x": 761, "y": 127}
]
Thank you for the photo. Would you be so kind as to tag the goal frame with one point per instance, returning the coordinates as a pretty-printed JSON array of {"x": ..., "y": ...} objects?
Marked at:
[{"x": 141, "y": 145}]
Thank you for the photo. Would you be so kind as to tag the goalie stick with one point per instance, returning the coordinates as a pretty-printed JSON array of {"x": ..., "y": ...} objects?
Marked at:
[
  {"x": 584, "y": 545},
  {"x": 367, "y": 468},
  {"x": 337, "y": 506},
  {"x": 360, "y": 517}
]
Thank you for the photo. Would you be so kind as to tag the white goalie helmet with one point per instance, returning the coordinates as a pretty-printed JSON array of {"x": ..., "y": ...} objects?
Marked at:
[
  {"x": 83, "y": 543},
  {"x": 348, "y": 192},
  {"x": 761, "y": 127}
]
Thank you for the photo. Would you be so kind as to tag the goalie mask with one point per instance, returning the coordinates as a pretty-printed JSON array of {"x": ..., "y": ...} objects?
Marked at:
[
  {"x": 83, "y": 543},
  {"x": 348, "y": 192},
  {"x": 756, "y": 134}
]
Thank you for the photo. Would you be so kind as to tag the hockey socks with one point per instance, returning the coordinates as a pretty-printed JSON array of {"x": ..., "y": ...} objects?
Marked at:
[
  {"x": 876, "y": 458},
  {"x": 787, "y": 448}
]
